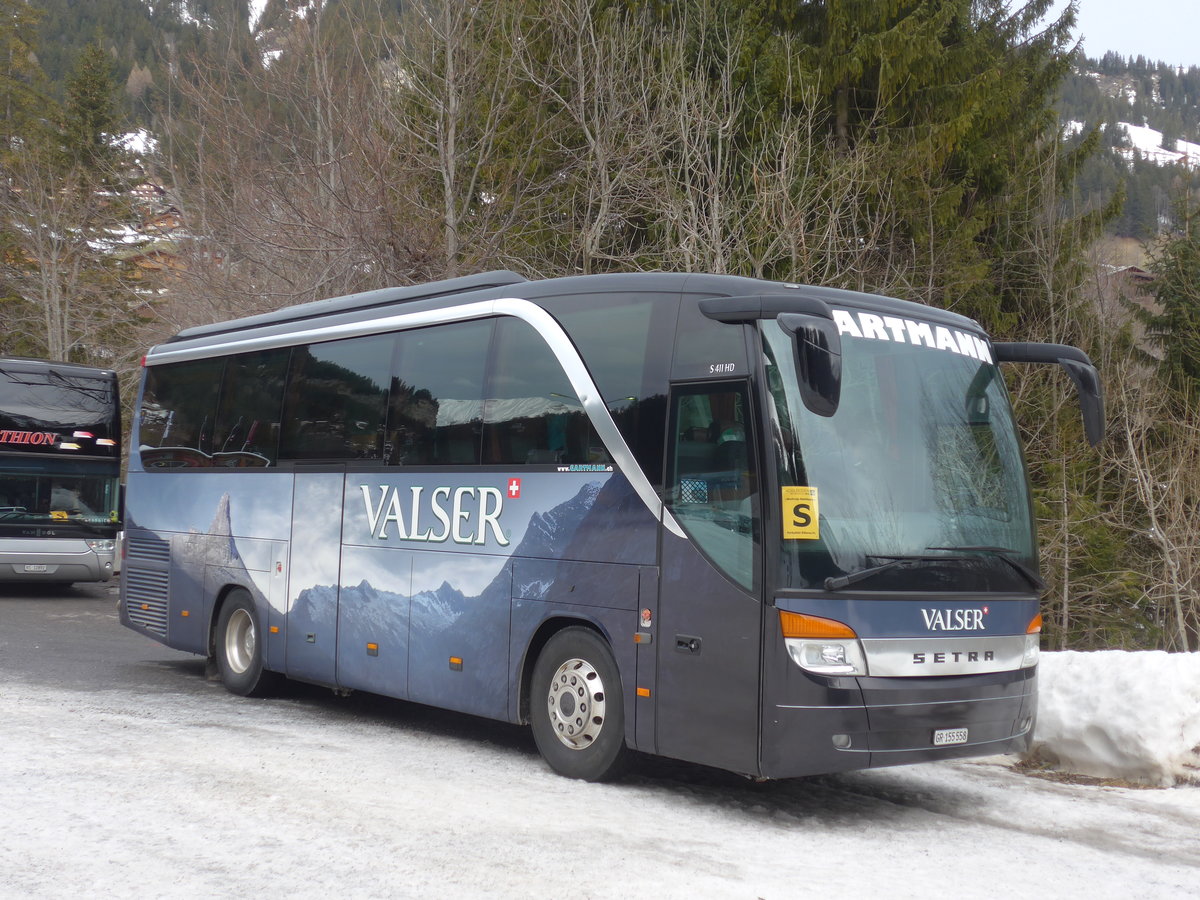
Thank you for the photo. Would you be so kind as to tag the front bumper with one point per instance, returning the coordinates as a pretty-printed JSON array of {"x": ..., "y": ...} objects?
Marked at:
[
  {"x": 893, "y": 722},
  {"x": 58, "y": 561}
]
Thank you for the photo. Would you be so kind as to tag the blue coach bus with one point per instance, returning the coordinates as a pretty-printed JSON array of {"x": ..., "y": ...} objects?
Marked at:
[{"x": 771, "y": 528}]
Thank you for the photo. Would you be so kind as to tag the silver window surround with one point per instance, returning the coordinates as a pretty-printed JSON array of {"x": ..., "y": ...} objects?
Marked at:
[{"x": 541, "y": 321}]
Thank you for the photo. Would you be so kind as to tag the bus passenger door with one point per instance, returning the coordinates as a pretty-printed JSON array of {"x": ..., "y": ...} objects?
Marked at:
[
  {"x": 315, "y": 553},
  {"x": 709, "y": 613}
]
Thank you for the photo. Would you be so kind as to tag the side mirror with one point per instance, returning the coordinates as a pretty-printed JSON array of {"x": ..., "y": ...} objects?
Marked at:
[
  {"x": 1080, "y": 370},
  {"x": 817, "y": 347}
]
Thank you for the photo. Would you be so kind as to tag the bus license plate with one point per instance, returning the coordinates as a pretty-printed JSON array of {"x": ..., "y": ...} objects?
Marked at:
[
  {"x": 946, "y": 736},
  {"x": 35, "y": 567}
]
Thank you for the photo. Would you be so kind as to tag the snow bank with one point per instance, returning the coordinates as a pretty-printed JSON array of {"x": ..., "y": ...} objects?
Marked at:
[{"x": 1116, "y": 714}]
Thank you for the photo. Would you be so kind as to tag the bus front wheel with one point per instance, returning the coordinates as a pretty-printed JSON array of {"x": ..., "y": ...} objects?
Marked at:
[
  {"x": 576, "y": 707},
  {"x": 239, "y": 649}
]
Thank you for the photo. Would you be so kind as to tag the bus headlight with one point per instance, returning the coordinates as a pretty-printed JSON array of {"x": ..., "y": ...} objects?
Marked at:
[
  {"x": 822, "y": 646},
  {"x": 101, "y": 545},
  {"x": 1033, "y": 639},
  {"x": 827, "y": 657}
]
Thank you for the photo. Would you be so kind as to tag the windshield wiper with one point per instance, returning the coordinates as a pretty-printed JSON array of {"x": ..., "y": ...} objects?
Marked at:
[
  {"x": 1006, "y": 554},
  {"x": 893, "y": 562}
]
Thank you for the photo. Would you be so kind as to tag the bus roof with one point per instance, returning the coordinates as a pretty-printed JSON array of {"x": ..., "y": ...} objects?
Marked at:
[
  {"x": 492, "y": 285},
  {"x": 29, "y": 366},
  {"x": 352, "y": 302}
]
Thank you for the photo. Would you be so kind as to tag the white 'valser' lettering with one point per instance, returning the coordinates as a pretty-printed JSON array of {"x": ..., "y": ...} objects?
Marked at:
[
  {"x": 953, "y": 619},
  {"x": 464, "y": 515}
]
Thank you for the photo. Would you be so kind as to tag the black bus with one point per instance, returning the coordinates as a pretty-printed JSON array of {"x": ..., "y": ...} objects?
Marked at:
[{"x": 60, "y": 465}]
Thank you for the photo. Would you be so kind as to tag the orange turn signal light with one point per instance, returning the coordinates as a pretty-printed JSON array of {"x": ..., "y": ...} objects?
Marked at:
[
  {"x": 799, "y": 625},
  {"x": 1035, "y": 625}
]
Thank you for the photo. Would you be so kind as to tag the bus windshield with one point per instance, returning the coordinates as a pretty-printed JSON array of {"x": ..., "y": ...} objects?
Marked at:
[
  {"x": 920, "y": 467},
  {"x": 58, "y": 492}
]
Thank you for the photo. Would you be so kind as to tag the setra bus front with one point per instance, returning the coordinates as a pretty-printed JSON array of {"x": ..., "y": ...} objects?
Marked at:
[{"x": 902, "y": 562}]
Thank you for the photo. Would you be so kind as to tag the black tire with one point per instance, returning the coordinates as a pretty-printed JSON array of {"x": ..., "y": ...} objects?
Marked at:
[
  {"x": 577, "y": 707},
  {"x": 239, "y": 648}
]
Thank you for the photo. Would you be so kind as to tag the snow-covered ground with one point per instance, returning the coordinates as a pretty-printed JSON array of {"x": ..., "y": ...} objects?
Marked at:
[{"x": 194, "y": 792}]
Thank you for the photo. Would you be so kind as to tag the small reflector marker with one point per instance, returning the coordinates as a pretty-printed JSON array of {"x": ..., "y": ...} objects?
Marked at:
[
  {"x": 274, "y": 629},
  {"x": 456, "y": 663},
  {"x": 643, "y": 692},
  {"x": 372, "y": 649},
  {"x": 184, "y": 613},
  {"x": 145, "y": 606}
]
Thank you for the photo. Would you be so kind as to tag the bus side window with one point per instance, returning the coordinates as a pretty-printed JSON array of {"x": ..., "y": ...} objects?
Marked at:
[
  {"x": 436, "y": 407},
  {"x": 531, "y": 413},
  {"x": 178, "y": 415},
  {"x": 336, "y": 397},
  {"x": 247, "y": 429},
  {"x": 712, "y": 487}
]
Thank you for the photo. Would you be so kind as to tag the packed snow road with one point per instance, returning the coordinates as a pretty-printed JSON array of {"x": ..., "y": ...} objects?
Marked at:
[{"x": 125, "y": 773}]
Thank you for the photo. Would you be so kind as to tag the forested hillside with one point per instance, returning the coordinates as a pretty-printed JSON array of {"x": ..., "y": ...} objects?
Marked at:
[
  {"x": 908, "y": 147},
  {"x": 1113, "y": 94}
]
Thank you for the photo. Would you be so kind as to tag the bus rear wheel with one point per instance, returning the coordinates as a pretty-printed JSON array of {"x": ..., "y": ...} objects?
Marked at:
[
  {"x": 576, "y": 707},
  {"x": 239, "y": 649}
]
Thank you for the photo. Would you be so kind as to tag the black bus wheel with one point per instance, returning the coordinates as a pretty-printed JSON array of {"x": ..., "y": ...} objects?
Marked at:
[
  {"x": 576, "y": 707},
  {"x": 239, "y": 648}
]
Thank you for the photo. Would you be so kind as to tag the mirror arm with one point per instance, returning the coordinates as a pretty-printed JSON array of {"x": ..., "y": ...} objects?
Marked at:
[{"x": 1078, "y": 367}]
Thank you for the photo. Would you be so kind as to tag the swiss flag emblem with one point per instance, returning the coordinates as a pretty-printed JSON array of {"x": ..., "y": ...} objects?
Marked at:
[{"x": 514, "y": 488}]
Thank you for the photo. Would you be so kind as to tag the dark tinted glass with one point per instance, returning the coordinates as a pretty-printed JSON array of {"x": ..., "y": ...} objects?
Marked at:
[
  {"x": 713, "y": 491},
  {"x": 706, "y": 348},
  {"x": 625, "y": 340},
  {"x": 247, "y": 432},
  {"x": 436, "y": 409},
  {"x": 532, "y": 415},
  {"x": 336, "y": 399},
  {"x": 178, "y": 414}
]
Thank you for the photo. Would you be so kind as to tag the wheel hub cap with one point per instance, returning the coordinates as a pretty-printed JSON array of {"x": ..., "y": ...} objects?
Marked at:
[
  {"x": 240, "y": 640},
  {"x": 576, "y": 703}
]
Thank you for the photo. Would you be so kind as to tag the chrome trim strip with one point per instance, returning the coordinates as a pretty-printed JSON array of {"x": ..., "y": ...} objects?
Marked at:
[
  {"x": 541, "y": 321},
  {"x": 894, "y": 657},
  {"x": 898, "y": 706}
]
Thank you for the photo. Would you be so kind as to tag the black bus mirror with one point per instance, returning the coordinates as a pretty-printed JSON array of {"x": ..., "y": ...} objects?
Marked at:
[
  {"x": 817, "y": 347},
  {"x": 1080, "y": 370}
]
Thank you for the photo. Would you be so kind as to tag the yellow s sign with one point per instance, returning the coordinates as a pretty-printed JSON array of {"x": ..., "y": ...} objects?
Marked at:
[{"x": 800, "y": 522}]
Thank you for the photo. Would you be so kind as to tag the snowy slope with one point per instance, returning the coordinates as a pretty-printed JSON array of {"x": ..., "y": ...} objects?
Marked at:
[{"x": 1148, "y": 144}]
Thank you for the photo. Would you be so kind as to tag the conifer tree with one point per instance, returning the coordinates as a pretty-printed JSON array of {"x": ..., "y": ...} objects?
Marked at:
[
  {"x": 89, "y": 119},
  {"x": 1176, "y": 266},
  {"x": 20, "y": 77}
]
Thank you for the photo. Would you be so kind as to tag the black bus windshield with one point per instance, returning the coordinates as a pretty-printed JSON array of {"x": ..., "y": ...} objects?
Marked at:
[
  {"x": 59, "y": 492},
  {"x": 920, "y": 463}
]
